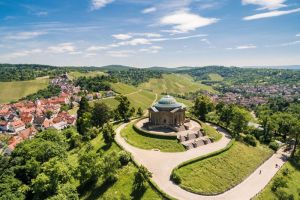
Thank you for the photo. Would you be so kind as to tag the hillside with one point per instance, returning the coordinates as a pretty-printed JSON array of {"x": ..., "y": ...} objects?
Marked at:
[
  {"x": 175, "y": 83},
  {"x": 12, "y": 91}
]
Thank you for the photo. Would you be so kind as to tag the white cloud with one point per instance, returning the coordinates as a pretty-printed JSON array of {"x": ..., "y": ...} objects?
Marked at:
[
  {"x": 274, "y": 13},
  {"x": 96, "y": 48},
  {"x": 41, "y": 13},
  {"x": 183, "y": 21},
  {"x": 135, "y": 42},
  {"x": 298, "y": 35},
  {"x": 290, "y": 43},
  {"x": 122, "y": 36},
  {"x": 97, "y": 4},
  {"x": 62, "y": 48},
  {"x": 149, "y": 35},
  {"x": 266, "y": 4},
  {"x": 21, "y": 53},
  {"x": 149, "y": 10},
  {"x": 152, "y": 49},
  {"x": 120, "y": 54},
  {"x": 25, "y": 35},
  {"x": 248, "y": 46}
]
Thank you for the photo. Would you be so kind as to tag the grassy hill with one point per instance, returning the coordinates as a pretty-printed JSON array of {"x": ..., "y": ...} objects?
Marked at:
[
  {"x": 175, "y": 83},
  {"x": 215, "y": 77},
  {"x": 221, "y": 172},
  {"x": 12, "y": 91},
  {"x": 77, "y": 74}
]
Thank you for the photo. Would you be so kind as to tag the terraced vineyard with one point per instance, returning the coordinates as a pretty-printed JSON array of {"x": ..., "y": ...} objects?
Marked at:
[
  {"x": 12, "y": 91},
  {"x": 175, "y": 83}
]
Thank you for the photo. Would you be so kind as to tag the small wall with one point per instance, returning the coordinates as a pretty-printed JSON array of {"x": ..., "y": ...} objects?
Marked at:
[{"x": 151, "y": 134}]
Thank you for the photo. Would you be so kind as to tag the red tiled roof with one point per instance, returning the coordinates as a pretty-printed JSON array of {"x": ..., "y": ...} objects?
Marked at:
[
  {"x": 17, "y": 123},
  {"x": 3, "y": 123}
]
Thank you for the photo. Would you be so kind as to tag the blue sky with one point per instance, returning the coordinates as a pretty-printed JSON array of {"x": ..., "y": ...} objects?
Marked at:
[{"x": 144, "y": 33}]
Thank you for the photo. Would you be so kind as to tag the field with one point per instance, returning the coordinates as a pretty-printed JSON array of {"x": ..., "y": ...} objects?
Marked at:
[
  {"x": 215, "y": 77},
  {"x": 77, "y": 74},
  {"x": 175, "y": 83},
  {"x": 12, "y": 91},
  {"x": 135, "y": 139},
  {"x": 219, "y": 173},
  {"x": 293, "y": 183}
]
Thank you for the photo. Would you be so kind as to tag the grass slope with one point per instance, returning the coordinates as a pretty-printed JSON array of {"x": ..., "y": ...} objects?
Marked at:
[
  {"x": 137, "y": 97},
  {"x": 293, "y": 183},
  {"x": 135, "y": 139},
  {"x": 122, "y": 188},
  {"x": 123, "y": 88},
  {"x": 12, "y": 91},
  {"x": 215, "y": 77},
  {"x": 211, "y": 132},
  {"x": 219, "y": 173},
  {"x": 175, "y": 83},
  {"x": 77, "y": 74}
]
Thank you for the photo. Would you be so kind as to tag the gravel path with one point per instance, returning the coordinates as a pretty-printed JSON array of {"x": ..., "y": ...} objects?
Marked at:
[{"x": 161, "y": 165}]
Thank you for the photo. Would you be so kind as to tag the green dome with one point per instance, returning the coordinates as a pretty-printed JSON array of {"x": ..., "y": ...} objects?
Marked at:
[{"x": 168, "y": 102}]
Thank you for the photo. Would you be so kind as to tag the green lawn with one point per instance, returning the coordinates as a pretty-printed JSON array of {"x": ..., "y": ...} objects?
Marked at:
[
  {"x": 293, "y": 183},
  {"x": 221, "y": 172},
  {"x": 175, "y": 83},
  {"x": 215, "y": 77},
  {"x": 13, "y": 91},
  {"x": 77, "y": 74},
  {"x": 143, "y": 142},
  {"x": 211, "y": 132}
]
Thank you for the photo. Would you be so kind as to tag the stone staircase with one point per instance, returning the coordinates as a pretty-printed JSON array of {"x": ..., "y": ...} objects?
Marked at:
[{"x": 194, "y": 140}]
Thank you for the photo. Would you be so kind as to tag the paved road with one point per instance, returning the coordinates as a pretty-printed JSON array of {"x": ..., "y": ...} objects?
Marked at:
[{"x": 161, "y": 165}]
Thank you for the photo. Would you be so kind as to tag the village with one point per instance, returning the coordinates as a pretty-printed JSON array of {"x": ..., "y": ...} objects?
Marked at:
[
  {"x": 22, "y": 120},
  {"x": 252, "y": 95}
]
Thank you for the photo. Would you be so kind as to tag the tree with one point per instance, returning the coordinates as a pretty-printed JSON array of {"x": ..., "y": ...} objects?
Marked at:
[
  {"x": 295, "y": 135},
  {"x": 54, "y": 172},
  {"x": 140, "y": 112},
  {"x": 84, "y": 123},
  {"x": 240, "y": 120},
  {"x": 66, "y": 191},
  {"x": 225, "y": 113},
  {"x": 108, "y": 134},
  {"x": 88, "y": 170},
  {"x": 203, "y": 105},
  {"x": 109, "y": 165},
  {"x": 141, "y": 177},
  {"x": 49, "y": 114},
  {"x": 123, "y": 109},
  {"x": 83, "y": 107},
  {"x": 101, "y": 114}
]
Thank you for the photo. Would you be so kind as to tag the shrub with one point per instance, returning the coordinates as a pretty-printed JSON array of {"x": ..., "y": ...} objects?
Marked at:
[
  {"x": 175, "y": 178},
  {"x": 283, "y": 195},
  {"x": 124, "y": 157},
  {"x": 274, "y": 145},
  {"x": 250, "y": 139},
  {"x": 286, "y": 172},
  {"x": 279, "y": 182}
]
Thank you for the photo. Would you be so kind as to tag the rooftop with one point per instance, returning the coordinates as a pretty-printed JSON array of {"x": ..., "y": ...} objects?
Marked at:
[{"x": 168, "y": 102}]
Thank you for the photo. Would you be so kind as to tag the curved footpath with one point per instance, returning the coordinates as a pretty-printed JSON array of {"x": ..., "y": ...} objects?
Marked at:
[{"x": 161, "y": 164}]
